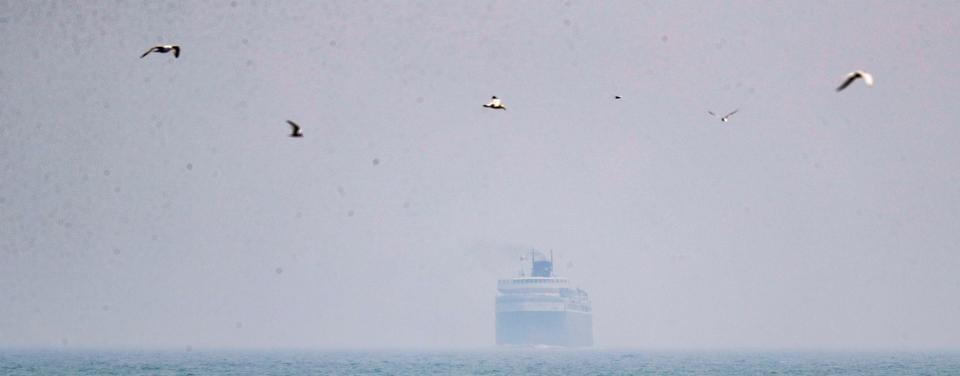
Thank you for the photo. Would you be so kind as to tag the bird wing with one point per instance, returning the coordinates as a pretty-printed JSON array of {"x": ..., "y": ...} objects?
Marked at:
[
  {"x": 734, "y": 111},
  {"x": 867, "y": 78},
  {"x": 148, "y": 52},
  {"x": 850, "y": 78},
  {"x": 176, "y": 51},
  {"x": 296, "y": 128},
  {"x": 711, "y": 113}
]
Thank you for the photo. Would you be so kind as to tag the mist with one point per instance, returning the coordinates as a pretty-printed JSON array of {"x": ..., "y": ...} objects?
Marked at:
[{"x": 158, "y": 202}]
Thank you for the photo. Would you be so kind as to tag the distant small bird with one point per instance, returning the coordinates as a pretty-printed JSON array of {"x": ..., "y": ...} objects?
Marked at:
[
  {"x": 163, "y": 49},
  {"x": 853, "y": 76},
  {"x": 617, "y": 97},
  {"x": 495, "y": 103},
  {"x": 296, "y": 129},
  {"x": 724, "y": 118}
]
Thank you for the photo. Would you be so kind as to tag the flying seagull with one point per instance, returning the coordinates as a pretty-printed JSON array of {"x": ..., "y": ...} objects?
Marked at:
[
  {"x": 163, "y": 49},
  {"x": 617, "y": 97},
  {"x": 296, "y": 129},
  {"x": 724, "y": 118},
  {"x": 495, "y": 103},
  {"x": 853, "y": 76}
]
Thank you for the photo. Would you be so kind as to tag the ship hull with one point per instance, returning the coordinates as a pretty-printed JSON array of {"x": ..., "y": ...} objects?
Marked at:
[{"x": 550, "y": 328}]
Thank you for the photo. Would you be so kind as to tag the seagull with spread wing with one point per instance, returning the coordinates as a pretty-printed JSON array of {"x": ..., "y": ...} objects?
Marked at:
[
  {"x": 495, "y": 103},
  {"x": 853, "y": 76},
  {"x": 296, "y": 129},
  {"x": 724, "y": 118},
  {"x": 163, "y": 49}
]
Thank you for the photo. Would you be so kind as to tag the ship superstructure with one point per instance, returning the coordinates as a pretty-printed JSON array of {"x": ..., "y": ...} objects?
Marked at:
[{"x": 542, "y": 309}]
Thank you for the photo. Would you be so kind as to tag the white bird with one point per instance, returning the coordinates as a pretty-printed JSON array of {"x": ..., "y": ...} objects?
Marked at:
[
  {"x": 724, "y": 118},
  {"x": 853, "y": 76},
  {"x": 163, "y": 49},
  {"x": 495, "y": 103}
]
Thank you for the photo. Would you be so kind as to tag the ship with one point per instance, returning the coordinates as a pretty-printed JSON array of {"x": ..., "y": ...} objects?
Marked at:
[{"x": 542, "y": 309}]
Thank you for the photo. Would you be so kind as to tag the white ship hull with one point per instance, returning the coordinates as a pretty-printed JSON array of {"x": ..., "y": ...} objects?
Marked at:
[
  {"x": 545, "y": 328},
  {"x": 543, "y": 310}
]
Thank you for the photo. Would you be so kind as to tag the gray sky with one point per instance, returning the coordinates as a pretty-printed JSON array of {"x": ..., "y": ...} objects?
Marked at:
[{"x": 157, "y": 202}]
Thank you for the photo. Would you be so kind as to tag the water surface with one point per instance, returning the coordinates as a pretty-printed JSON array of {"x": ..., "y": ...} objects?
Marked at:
[{"x": 490, "y": 362}]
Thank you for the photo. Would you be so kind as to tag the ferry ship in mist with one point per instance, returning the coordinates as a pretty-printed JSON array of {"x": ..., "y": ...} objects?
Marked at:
[{"x": 542, "y": 309}]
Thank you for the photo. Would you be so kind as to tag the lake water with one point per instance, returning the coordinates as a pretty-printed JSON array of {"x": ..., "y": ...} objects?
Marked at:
[{"x": 491, "y": 362}]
